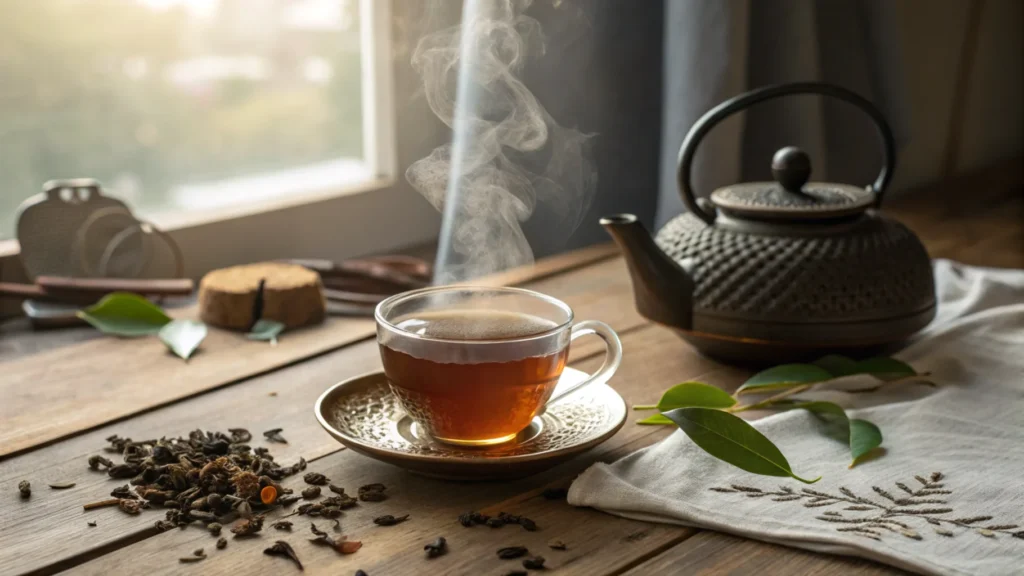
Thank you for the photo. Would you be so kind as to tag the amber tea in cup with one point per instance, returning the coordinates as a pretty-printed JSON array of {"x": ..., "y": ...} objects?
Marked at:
[{"x": 474, "y": 366}]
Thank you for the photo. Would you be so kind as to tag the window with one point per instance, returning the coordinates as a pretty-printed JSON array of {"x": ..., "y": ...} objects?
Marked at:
[{"x": 193, "y": 109}]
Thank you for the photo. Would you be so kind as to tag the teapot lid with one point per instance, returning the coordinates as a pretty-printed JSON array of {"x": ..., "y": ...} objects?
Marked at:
[{"x": 791, "y": 196}]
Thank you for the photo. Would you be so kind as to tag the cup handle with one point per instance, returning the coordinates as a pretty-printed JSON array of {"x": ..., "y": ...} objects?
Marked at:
[{"x": 612, "y": 357}]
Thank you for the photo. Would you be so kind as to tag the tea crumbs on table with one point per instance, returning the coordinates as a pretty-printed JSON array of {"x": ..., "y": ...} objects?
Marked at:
[
  {"x": 361, "y": 573},
  {"x": 274, "y": 435},
  {"x": 517, "y": 573},
  {"x": 222, "y": 543},
  {"x": 311, "y": 492},
  {"x": 437, "y": 548},
  {"x": 557, "y": 545},
  {"x": 535, "y": 563},
  {"x": 214, "y": 528},
  {"x": 283, "y": 549},
  {"x": 91, "y": 524},
  {"x": 61, "y": 485},
  {"x": 389, "y": 520},
  {"x": 25, "y": 488},
  {"x": 282, "y": 525},
  {"x": 512, "y": 552}
]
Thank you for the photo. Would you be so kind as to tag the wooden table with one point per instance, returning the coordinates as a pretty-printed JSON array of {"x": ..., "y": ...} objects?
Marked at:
[{"x": 49, "y": 532}]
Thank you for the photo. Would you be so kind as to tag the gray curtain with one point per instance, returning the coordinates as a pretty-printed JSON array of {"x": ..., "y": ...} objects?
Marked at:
[{"x": 717, "y": 49}]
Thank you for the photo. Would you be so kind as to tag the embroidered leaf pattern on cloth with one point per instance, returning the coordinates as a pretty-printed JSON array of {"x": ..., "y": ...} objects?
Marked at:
[{"x": 900, "y": 511}]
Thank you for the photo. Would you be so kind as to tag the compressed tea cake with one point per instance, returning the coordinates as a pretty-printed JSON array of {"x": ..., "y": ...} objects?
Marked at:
[{"x": 232, "y": 297}]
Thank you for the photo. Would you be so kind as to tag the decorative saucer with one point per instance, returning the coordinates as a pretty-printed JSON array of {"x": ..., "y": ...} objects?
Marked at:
[{"x": 365, "y": 416}]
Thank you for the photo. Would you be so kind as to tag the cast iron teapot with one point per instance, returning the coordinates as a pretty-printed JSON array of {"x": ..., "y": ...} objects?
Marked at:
[{"x": 770, "y": 272}]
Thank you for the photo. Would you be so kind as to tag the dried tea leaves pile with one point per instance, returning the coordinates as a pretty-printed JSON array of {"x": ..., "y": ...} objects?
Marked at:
[{"x": 210, "y": 477}]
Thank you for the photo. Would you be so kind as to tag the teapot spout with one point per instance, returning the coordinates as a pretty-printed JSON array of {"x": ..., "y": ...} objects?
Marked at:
[{"x": 662, "y": 289}]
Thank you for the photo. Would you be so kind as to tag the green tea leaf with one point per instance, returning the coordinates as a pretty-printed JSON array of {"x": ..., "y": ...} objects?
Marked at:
[
  {"x": 881, "y": 367},
  {"x": 837, "y": 365},
  {"x": 265, "y": 330},
  {"x": 731, "y": 439},
  {"x": 690, "y": 394},
  {"x": 125, "y": 314},
  {"x": 656, "y": 420},
  {"x": 784, "y": 376},
  {"x": 862, "y": 436},
  {"x": 884, "y": 368},
  {"x": 183, "y": 336}
]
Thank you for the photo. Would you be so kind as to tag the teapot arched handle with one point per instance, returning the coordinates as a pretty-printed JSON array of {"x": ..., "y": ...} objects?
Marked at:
[{"x": 729, "y": 107}]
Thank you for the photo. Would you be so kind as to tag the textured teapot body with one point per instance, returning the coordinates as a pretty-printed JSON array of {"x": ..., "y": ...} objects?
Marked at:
[
  {"x": 855, "y": 283},
  {"x": 786, "y": 270}
]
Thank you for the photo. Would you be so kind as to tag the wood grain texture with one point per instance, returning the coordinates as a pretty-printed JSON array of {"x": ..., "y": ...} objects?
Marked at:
[
  {"x": 53, "y": 394},
  {"x": 655, "y": 359},
  {"x": 247, "y": 404},
  {"x": 716, "y": 553}
]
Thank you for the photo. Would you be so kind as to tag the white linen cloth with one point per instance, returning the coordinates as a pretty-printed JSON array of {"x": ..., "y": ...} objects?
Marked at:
[{"x": 959, "y": 447}]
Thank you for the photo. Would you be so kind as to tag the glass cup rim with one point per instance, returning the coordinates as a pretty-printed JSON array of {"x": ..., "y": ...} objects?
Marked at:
[{"x": 378, "y": 314}]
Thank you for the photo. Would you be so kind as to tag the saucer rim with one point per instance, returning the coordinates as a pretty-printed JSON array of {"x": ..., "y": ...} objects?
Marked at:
[{"x": 355, "y": 443}]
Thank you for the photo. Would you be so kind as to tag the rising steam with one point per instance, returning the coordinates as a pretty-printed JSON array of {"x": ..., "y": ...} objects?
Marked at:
[{"x": 508, "y": 158}]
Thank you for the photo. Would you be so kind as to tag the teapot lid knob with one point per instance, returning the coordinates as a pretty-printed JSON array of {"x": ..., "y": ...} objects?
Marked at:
[{"x": 791, "y": 168}]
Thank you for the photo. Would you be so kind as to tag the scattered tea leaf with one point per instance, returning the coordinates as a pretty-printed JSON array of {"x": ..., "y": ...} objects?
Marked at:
[
  {"x": 372, "y": 493},
  {"x": 222, "y": 543},
  {"x": 837, "y": 365},
  {"x": 126, "y": 315},
  {"x": 436, "y": 548},
  {"x": 283, "y": 549},
  {"x": 862, "y": 436},
  {"x": 311, "y": 492},
  {"x": 25, "y": 487},
  {"x": 655, "y": 420},
  {"x": 282, "y": 525},
  {"x": 265, "y": 330},
  {"x": 91, "y": 524},
  {"x": 557, "y": 545},
  {"x": 183, "y": 336},
  {"x": 731, "y": 439},
  {"x": 784, "y": 376},
  {"x": 535, "y": 563},
  {"x": 96, "y": 461},
  {"x": 512, "y": 552},
  {"x": 389, "y": 520},
  {"x": 689, "y": 394},
  {"x": 315, "y": 478},
  {"x": 274, "y": 435},
  {"x": 884, "y": 368}
]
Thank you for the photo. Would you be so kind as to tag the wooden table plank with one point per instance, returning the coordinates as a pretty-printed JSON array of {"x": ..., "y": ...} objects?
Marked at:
[
  {"x": 54, "y": 394},
  {"x": 248, "y": 405},
  {"x": 655, "y": 360},
  {"x": 716, "y": 553}
]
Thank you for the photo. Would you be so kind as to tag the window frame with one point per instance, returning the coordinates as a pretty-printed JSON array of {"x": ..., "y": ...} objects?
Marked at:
[{"x": 380, "y": 215}]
